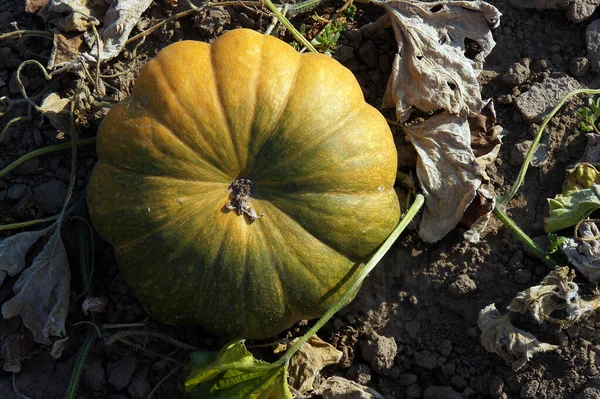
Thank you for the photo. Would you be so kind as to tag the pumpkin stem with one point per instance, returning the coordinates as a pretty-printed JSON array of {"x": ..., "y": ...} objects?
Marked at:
[{"x": 240, "y": 189}]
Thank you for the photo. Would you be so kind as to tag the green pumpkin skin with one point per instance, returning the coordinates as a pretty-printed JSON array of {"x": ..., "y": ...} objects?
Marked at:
[{"x": 322, "y": 161}]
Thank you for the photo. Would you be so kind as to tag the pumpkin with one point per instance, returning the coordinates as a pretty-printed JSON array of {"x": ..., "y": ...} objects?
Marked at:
[{"x": 242, "y": 184}]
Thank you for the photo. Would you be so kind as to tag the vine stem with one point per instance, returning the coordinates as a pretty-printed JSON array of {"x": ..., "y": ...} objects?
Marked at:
[
  {"x": 28, "y": 223},
  {"x": 343, "y": 300},
  {"x": 301, "y": 39},
  {"x": 43, "y": 151},
  {"x": 521, "y": 177},
  {"x": 524, "y": 238}
]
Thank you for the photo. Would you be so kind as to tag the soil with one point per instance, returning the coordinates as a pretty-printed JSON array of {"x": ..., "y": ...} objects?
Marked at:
[{"x": 412, "y": 330}]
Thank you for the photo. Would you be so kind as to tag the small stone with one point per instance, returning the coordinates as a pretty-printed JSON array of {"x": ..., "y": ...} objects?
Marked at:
[
  {"x": 462, "y": 286},
  {"x": 468, "y": 391},
  {"x": 139, "y": 387},
  {"x": 120, "y": 372},
  {"x": 542, "y": 97},
  {"x": 94, "y": 375},
  {"x": 579, "y": 66},
  {"x": 405, "y": 380},
  {"x": 522, "y": 276},
  {"x": 592, "y": 40},
  {"x": 245, "y": 21},
  {"x": 414, "y": 391},
  {"x": 413, "y": 328},
  {"x": 13, "y": 84},
  {"x": 360, "y": 373},
  {"x": 375, "y": 76},
  {"x": 448, "y": 369},
  {"x": 429, "y": 360},
  {"x": 50, "y": 196},
  {"x": 344, "y": 54},
  {"x": 517, "y": 73},
  {"x": 458, "y": 382},
  {"x": 436, "y": 392},
  {"x": 529, "y": 389},
  {"x": 380, "y": 352},
  {"x": 29, "y": 167},
  {"x": 368, "y": 54},
  {"x": 579, "y": 11},
  {"x": 445, "y": 347},
  {"x": 16, "y": 191}
]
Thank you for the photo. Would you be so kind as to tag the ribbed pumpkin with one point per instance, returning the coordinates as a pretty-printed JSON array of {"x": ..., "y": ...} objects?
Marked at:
[{"x": 204, "y": 125}]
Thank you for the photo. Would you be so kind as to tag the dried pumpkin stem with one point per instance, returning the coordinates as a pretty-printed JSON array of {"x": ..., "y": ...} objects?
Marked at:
[{"x": 358, "y": 279}]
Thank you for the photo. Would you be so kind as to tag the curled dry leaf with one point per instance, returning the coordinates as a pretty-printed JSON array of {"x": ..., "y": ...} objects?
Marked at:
[
  {"x": 512, "y": 344},
  {"x": 341, "y": 388},
  {"x": 306, "y": 364},
  {"x": 431, "y": 71},
  {"x": 74, "y": 19},
  {"x": 13, "y": 250},
  {"x": 555, "y": 290},
  {"x": 57, "y": 110},
  {"x": 584, "y": 252},
  {"x": 42, "y": 292},
  {"x": 447, "y": 170}
]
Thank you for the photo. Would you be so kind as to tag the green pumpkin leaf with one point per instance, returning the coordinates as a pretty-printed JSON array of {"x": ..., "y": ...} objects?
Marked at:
[
  {"x": 234, "y": 373},
  {"x": 568, "y": 210}
]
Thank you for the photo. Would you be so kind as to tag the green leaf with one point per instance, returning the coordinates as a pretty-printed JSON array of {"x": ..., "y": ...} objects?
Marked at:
[
  {"x": 234, "y": 373},
  {"x": 568, "y": 210},
  {"x": 555, "y": 242}
]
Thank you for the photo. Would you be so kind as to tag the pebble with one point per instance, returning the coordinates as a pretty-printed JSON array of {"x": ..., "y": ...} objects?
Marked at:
[
  {"x": 414, "y": 391},
  {"x": 437, "y": 392},
  {"x": 579, "y": 66},
  {"x": 592, "y": 40},
  {"x": 406, "y": 379},
  {"x": 119, "y": 373},
  {"x": 458, "y": 382},
  {"x": 50, "y": 196},
  {"x": 578, "y": 11},
  {"x": 380, "y": 352},
  {"x": 344, "y": 54},
  {"x": 245, "y": 21},
  {"x": 368, "y": 54},
  {"x": 360, "y": 373},
  {"x": 139, "y": 387},
  {"x": 462, "y": 286},
  {"x": 537, "y": 103},
  {"x": 517, "y": 73},
  {"x": 94, "y": 375},
  {"x": 522, "y": 276},
  {"x": 529, "y": 389},
  {"x": 16, "y": 191},
  {"x": 13, "y": 84},
  {"x": 448, "y": 369},
  {"x": 429, "y": 360}
]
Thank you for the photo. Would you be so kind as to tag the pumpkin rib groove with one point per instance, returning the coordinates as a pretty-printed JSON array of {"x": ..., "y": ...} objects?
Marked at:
[
  {"x": 168, "y": 177},
  {"x": 210, "y": 158},
  {"x": 282, "y": 109},
  {"x": 224, "y": 111},
  {"x": 307, "y": 231},
  {"x": 175, "y": 221},
  {"x": 317, "y": 141}
]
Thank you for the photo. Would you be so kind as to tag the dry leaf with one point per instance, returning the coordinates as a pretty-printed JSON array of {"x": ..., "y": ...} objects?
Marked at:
[
  {"x": 42, "y": 292},
  {"x": 447, "y": 170},
  {"x": 16, "y": 341},
  {"x": 58, "y": 111},
  {"x": 499, "y": 336},
  {"x": 341, "y": 388},
  {"x": 120, "y": 19},
  {"x": 431, "y": 71},
  {"x": 306, "y": 364},
  {"x": 13, "y": 250},
  {"x": 72, "y": 15},
  {"x": 541, "y": 300},
  {"x": 66, "y": 48},
  {"x": 585, "y": 254}
]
